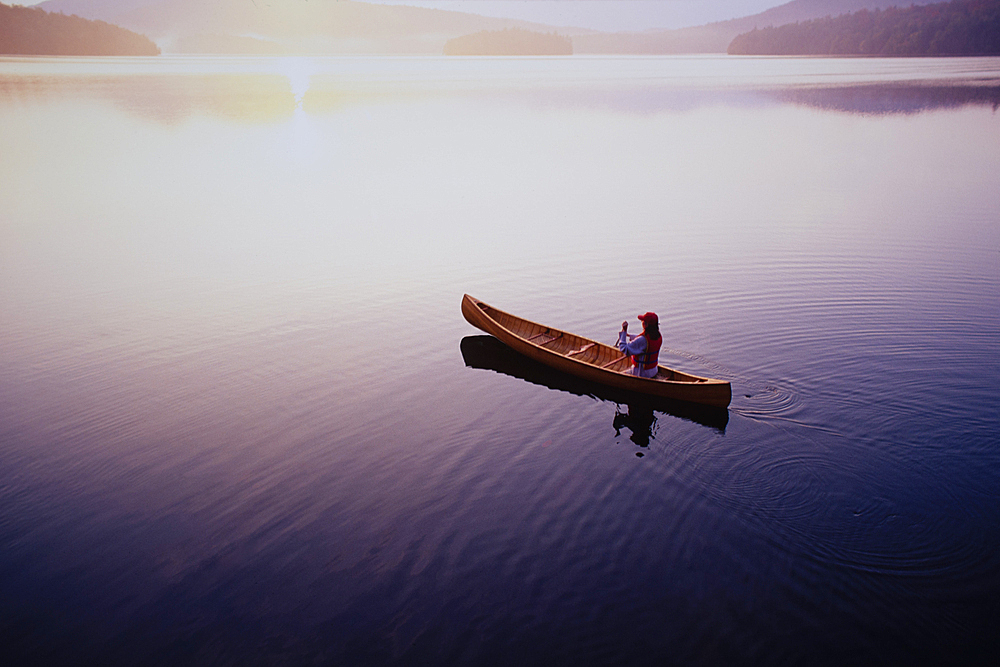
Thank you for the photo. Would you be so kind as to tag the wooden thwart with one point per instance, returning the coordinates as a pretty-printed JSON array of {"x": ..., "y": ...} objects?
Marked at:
[
  {"x": 550, "y": 340},
  {"x": 612, "y": 363},
  {"x": 544, "y": 342}
]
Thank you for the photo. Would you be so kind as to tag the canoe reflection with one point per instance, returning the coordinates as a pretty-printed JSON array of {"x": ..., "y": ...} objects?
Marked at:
[{"x": 488, "y": 353}]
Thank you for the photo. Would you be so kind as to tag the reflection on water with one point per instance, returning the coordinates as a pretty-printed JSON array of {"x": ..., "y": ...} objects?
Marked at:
[
  {"x": 238, "y": 423},
  {"x": 236, "y": 89},
  {"x": 488, "y": 353},
  {"x": 248, "y": 98},
  {"x": 894, "y": 98},
  {"x": 641, "y": 420}
]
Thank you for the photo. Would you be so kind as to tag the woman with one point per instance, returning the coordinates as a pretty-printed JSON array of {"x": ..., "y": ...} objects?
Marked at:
[{"x": 644, "y": 348}]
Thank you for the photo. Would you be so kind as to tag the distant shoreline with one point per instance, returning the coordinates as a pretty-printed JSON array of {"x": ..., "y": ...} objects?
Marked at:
[{"x": 509, "y": 42}]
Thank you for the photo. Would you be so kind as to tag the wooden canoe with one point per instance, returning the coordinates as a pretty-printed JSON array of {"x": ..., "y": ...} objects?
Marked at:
[
  {"x": 488, "y": 353},
  {"x": 589, "y": 359}
]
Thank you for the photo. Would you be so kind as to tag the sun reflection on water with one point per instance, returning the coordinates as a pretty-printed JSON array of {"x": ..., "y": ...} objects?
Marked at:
[{"x": 299, "y": 72}]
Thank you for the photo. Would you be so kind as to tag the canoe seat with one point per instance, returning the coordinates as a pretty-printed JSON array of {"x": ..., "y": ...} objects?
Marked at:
[{"x": 582, "y": 349}]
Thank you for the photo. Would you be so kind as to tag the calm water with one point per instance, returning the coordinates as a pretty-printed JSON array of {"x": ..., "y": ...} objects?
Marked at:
[{"x": 242, "y": 420}]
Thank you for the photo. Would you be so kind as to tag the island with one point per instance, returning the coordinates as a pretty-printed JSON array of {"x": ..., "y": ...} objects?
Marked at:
[
  {"x": 957, "y": 28},
  {"x": 509, "y": 42},
  {"x": 36, "y": 32}
]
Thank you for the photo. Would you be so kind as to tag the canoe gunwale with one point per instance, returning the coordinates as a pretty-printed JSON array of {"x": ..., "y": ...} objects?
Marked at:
[{"x": 695, "y": 389}]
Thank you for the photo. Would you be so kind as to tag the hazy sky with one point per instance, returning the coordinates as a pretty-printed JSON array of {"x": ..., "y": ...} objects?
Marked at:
[{"x": 598, "y": 14}]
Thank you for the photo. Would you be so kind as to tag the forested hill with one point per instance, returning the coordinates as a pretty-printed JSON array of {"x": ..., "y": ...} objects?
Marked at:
[
  {"x": 960, "y": 27},
  {"x": 509, "y": 42},
  {"x": 32, "y": 31},
  {"x": 716, "y": 37}
]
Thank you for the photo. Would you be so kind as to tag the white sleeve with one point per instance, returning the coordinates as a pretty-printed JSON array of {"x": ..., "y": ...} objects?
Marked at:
[{"x": 636, "y": 346}]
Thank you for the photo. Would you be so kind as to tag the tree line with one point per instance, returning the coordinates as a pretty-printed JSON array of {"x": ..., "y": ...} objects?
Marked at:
[
  {"x": 960, "y": 27},
  {"x": 509, "y": 42},
  {"x": 33, "y": 31}
]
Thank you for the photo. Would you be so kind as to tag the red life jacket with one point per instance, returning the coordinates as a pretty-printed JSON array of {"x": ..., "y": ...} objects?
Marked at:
[{"x": 651, "y": 356}]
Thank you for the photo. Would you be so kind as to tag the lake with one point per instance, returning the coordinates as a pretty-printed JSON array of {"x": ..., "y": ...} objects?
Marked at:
[{"x": 242, "y": 420}]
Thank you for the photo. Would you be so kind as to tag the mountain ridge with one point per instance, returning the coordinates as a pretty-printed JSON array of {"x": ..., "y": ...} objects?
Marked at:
[
  {"x": 715, "y": 37},
  {"x": 959, "y": 27},
  {"x": 348, "y": 26}
]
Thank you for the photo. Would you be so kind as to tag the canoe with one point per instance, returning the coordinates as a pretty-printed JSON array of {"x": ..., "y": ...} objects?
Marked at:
[
  {"x": 589, "y": 359},
  {"x": 488, "y": 353}
]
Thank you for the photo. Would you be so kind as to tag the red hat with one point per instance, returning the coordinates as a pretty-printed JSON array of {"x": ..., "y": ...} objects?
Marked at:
[{"x": 649, "y": 317}]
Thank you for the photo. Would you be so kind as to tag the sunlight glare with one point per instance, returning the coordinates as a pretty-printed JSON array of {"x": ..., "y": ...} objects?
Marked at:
[{"x": 299, "y": 72}]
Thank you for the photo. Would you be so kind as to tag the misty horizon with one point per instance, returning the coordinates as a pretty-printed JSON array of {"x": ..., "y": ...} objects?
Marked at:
[{"x": 601, "y": 15}]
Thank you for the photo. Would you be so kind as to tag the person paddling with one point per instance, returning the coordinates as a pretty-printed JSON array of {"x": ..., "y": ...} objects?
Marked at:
[{"x": 644, "y": 348}]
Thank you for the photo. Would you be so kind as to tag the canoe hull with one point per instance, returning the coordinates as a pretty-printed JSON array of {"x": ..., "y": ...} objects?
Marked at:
[{"x": 590, "y": 360}]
